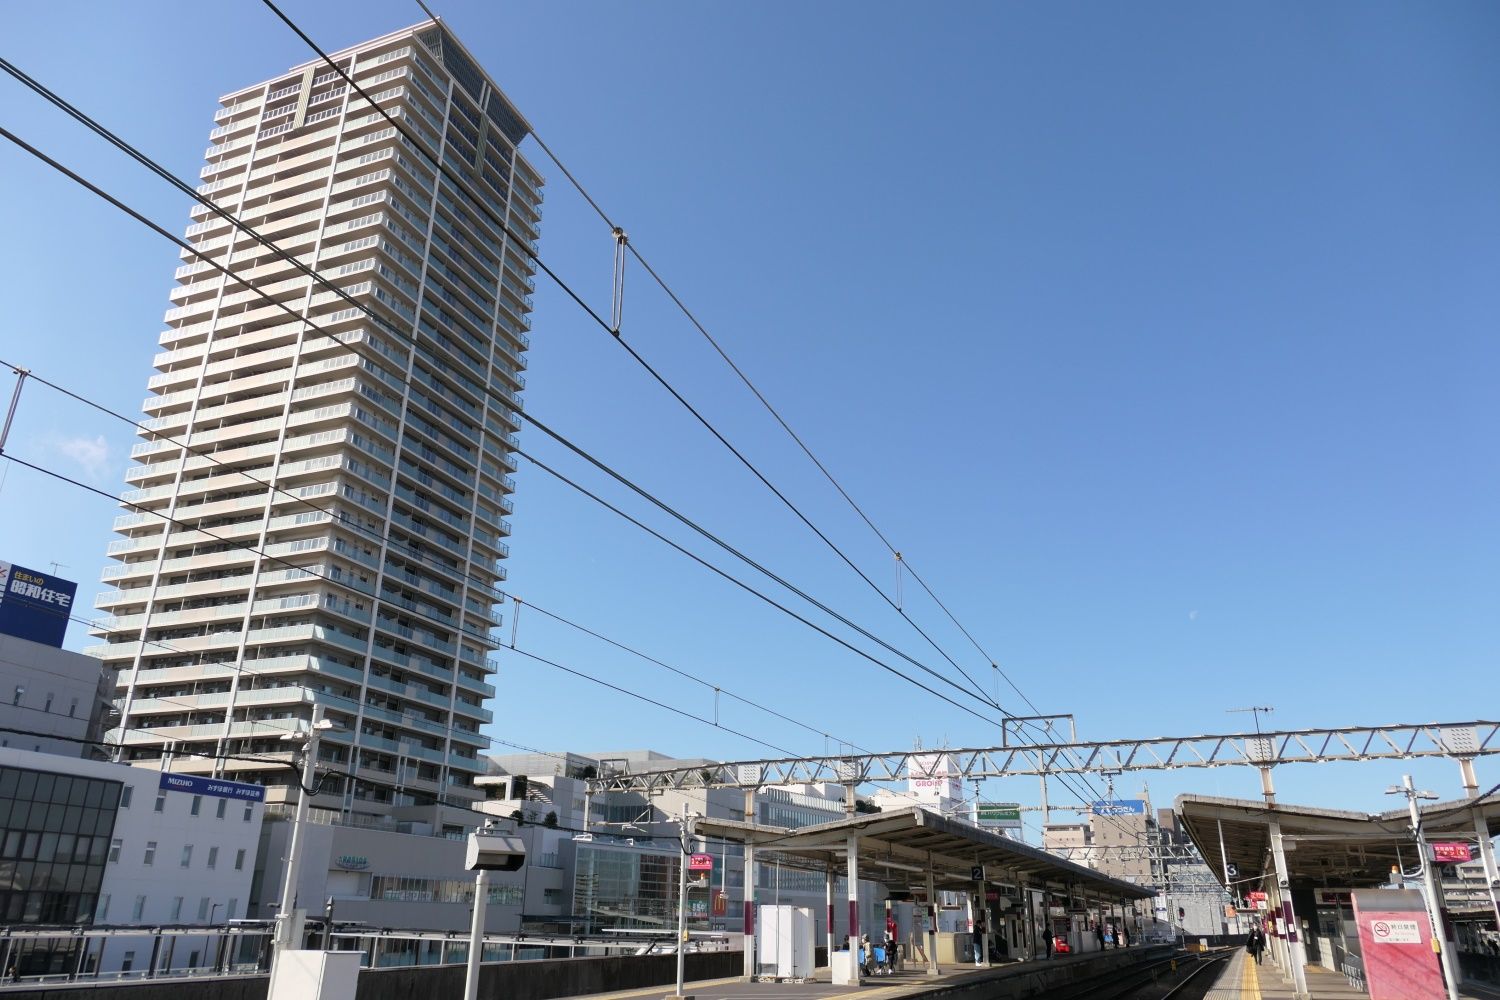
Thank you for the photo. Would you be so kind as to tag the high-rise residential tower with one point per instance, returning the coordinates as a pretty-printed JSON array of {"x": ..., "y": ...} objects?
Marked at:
[{"x": 342, "y": 539}]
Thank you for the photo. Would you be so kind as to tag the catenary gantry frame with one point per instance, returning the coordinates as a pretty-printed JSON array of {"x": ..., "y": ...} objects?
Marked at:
[{"x": 1462, "y": 740}]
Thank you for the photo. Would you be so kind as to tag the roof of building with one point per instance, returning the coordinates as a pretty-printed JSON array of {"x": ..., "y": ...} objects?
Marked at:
[
  {"x": 1333, "y": 847},
  {"x": 898, "y": 846}
]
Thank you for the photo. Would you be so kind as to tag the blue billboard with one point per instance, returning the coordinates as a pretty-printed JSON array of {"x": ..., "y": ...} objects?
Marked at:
[
  {"x": 1119, "y": 807},
  {"x": 33, "y": 605},
  {"x": 196, "y": 785}
]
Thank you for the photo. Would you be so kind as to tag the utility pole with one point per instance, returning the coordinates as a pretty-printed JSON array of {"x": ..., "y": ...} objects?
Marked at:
[
  {"x": 288, "y": 923},
  {"x": 1431, "y": 893},
  {"x": 687, "y": 829}
]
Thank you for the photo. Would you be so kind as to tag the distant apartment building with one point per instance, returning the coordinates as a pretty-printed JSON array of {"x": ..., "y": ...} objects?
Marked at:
[{"x": 333, "y": 533}]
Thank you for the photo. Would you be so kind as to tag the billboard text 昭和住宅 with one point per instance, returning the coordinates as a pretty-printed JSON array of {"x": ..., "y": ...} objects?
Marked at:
[{"x": 33, "y": 605}]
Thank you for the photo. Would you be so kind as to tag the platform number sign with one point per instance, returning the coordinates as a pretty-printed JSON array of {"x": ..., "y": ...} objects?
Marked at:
[
  {"x": 1232, "y": 870},
  {"x": 976, "y": 873}
]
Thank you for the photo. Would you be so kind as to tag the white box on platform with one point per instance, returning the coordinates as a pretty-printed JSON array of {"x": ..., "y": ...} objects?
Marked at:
[
  {"x": 314, "y": 975},
  {"x": 786, "y": 942}
]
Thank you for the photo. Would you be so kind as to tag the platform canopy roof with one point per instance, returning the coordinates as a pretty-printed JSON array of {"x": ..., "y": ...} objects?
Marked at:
[
  {"x": 1324, "y": 847},
  {"x": 898, "y": 847}
]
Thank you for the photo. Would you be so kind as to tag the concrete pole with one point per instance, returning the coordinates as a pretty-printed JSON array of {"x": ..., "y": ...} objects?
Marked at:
[
  {"x": 983, "y": 952},
  {"x": 1296, "y": 957},
  {"x": 1433, "y": 894},
  {"x": 828, "y": 895},
  {"x": 752, "y": 966},
  {"x": 686, "y": 830},
  {"x": 932, "y": 912},
  {"x": 476, "y": 935},
  {"x": 853, "y": 876},
  {"x": 1482, "y": 833}
]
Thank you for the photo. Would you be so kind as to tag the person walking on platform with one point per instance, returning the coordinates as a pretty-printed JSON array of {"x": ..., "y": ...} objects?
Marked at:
[
  {"x": 1048, "y": 937},
  {"x": 1256, "y": 944}
]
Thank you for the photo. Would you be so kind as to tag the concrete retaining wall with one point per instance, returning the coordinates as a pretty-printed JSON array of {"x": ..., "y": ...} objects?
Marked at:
[
  {"x": 545, "y": 980},
  {"x": 539, "y": 980}
]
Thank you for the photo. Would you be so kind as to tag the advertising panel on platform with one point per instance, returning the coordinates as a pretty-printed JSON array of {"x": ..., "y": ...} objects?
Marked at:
[
  {"x": 33, "y": 605},
  {"x": 1395, "y": 937}
]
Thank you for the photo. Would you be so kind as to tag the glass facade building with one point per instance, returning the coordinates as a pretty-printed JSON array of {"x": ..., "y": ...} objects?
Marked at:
[
  {"x": 55, "y": 832},
  {"x": 620, "y": 886}
]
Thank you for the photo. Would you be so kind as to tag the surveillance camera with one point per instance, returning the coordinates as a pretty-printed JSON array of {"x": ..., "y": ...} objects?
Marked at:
[{"x": 494, "y": 853}]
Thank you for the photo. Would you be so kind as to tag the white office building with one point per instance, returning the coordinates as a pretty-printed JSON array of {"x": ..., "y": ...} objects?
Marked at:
[
  {"x": 53, "y": 700},
  {"x": 94, "y": 844},
  {"x": 340, "y": 540}
]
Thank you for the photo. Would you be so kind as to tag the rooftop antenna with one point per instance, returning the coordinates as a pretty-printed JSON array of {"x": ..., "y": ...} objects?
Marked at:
[{"x": 1255, "y": 710}]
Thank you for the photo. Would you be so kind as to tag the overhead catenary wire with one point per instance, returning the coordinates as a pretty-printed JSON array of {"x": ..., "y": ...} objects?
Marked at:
[
  {"x": 460, "y": 186},
  {"x": 699, "y": 559},
  {"x": 270, "y": 300}
]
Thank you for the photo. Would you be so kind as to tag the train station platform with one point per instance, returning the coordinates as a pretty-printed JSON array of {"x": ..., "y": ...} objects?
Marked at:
[{"x": 1243, "y": 979}]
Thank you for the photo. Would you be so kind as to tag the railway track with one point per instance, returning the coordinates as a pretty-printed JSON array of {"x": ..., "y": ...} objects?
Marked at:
[{"x": 1182, "y": 970}]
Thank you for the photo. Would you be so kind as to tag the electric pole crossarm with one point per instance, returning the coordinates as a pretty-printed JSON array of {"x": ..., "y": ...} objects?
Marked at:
[{"x": 1263, "y": 750}]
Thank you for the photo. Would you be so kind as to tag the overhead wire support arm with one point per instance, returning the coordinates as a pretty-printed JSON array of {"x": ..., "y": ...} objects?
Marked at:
[
  {"x": 15, "y": 401},
  {"x": 1302, "y": 746},
  {"x": 616, "y": 314}
]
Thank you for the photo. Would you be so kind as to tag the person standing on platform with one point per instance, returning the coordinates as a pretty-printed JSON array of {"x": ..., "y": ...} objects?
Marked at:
[
  {"x": 1047, "y": 936},
  {"x": 890, "y": 936},
  {"x": 979, "y": 932}
]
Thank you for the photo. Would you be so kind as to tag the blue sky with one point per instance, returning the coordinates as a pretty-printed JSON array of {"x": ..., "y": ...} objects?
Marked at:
[{"x": 1158, "y": 337}]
